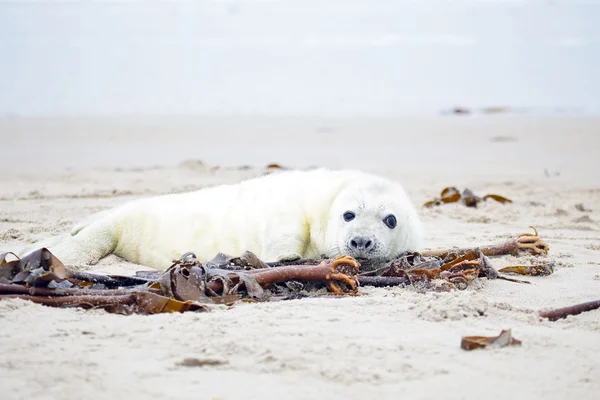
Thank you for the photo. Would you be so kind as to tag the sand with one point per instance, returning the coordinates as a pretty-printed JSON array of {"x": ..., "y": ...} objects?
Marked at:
[{"x": 386, "y": 343}]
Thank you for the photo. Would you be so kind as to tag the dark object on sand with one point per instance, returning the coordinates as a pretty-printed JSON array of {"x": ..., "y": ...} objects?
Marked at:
[
  {"x": 559, "y": 313},
  {"x": 461, "y": 111},
  {"x": 478, "y": 342},
  {"x": 531, "y": 270},
  {"x": 467, "y": 197}
]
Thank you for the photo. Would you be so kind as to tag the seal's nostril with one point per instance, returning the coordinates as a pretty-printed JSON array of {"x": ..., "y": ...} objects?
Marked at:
[{"x": 361, "y": 243}]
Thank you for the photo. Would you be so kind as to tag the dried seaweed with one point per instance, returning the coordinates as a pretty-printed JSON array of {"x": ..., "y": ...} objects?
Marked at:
[
  {"x": 189, "y": 285},
  {"x": 531, "y": 270},
  {"x": 36, "y": 269},
  {"x": 134, "y": 302},
  {"x": 433, "y": 273},
  {"x": 528, "y": 243},
  {"x": 478, "y": 342},
  {"x": 448, "y": 269},
  {"x": 467, "y": 197},
  {"x": 247, "y": 260},
  {"x": 186, "y": 286},
  {"x": 42, "y": 278}
]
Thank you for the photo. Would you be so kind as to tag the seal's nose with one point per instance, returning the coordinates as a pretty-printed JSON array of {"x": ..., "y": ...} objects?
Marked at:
[{"x": 361, "y": 243}]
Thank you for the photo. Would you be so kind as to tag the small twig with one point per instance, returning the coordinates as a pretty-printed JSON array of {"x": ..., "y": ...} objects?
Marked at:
[
  {"x": 564, "y": 312},
  {"x": 505, "y": 278}
]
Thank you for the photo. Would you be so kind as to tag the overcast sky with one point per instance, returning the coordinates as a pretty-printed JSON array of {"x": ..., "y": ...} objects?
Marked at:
[{"x": 332, "y": 57}]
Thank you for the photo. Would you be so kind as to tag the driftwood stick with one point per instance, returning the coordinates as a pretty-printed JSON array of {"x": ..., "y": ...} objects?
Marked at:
[
  {"x": 564, "y": 312},
  {"x": 525, "y": 242}
]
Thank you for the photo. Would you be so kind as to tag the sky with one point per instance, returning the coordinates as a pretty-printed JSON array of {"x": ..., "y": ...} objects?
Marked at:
[{"x": 288, "y": 57}]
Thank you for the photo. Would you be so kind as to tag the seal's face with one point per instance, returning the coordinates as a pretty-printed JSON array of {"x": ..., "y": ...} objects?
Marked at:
[{"x": 374, "y": 221}]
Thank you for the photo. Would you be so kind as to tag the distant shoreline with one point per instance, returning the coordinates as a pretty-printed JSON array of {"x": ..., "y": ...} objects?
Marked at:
[{"x": 449, "y": 111}]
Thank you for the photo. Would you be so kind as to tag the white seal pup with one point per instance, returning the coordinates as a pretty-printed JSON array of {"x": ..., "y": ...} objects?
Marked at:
[{"x": 282, "y": 216}]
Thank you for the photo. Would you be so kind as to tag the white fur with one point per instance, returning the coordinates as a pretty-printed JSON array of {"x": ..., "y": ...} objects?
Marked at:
[{"x": 280, "y": 216}]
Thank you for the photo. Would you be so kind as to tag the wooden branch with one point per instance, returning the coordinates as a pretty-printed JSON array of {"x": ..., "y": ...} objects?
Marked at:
[{"x": 564, "y": 312}]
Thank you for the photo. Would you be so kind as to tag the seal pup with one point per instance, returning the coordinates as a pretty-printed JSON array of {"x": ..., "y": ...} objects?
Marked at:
[{"x": 285, "y": 215}]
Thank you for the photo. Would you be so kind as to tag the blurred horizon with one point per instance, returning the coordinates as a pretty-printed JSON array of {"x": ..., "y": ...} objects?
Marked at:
[{"x": 297, "y": 58}]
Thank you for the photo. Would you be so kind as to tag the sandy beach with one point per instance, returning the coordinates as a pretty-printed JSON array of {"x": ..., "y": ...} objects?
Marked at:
[{"x": 386, "y": 343}]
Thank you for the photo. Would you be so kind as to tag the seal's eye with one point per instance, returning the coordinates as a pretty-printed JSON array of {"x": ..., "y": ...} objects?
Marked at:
[
  {"x": 349, "y": 216},
  {"x": 390, "y": 221}
]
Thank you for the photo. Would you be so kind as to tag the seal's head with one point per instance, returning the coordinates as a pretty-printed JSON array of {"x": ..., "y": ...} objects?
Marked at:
[{"x": 372, "y": 219}]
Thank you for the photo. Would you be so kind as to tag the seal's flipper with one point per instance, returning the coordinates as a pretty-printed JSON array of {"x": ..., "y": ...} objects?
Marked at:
[
  {"x": 88, "y": 245},
  {"x": 85, "y": 247}
]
